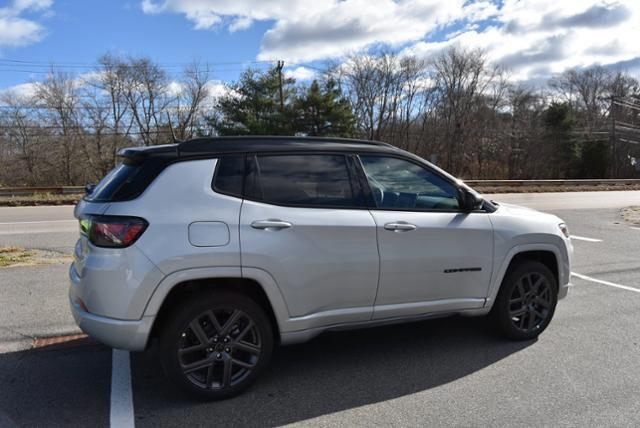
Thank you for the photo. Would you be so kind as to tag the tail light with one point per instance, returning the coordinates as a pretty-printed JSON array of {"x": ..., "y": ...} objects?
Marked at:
[{"x": 111, "y": 231}]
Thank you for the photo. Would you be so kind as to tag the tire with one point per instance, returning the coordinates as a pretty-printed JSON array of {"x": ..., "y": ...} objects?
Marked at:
[
  {"x": 526, "y": 301},
  {"x": 216, "y": 344}
]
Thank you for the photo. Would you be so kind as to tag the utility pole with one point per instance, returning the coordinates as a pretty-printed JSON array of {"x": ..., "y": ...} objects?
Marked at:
[
  {"x": 279, "y": 67},
  {"x": 612, "y": 137}
]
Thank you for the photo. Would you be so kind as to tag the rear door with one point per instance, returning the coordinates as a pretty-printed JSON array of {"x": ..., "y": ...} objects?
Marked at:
[
  {"x": 304, "y": 221},
  {"x": 433, "y": 256}
]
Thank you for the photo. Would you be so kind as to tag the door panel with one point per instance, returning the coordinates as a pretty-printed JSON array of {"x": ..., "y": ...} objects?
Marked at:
[
  {"x": 305, "y": 223},
  {"x": 444, "y": 260},
  {"x": 433, "y": 256},
  {"x": 321, "y": 259}
]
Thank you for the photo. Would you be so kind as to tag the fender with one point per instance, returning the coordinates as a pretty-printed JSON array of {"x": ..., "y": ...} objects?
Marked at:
[
  {"x": 500, "y": 273},
  {"x": 261, "y": 277}
]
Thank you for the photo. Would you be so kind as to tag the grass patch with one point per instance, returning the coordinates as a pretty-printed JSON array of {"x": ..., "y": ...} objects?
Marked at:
[
  {"x": 10, "y": 256},
  {"x": 15, "y": 256},
  {"x": 631, "y": 215}
]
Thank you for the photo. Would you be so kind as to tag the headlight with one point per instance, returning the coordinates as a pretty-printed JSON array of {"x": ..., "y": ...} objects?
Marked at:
[{"x": 565, "y": 230}]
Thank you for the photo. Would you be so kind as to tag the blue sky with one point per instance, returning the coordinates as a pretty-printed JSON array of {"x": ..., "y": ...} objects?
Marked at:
[
  {"x": 532, "y": 38},
  {"x": 80, "y": 31}
]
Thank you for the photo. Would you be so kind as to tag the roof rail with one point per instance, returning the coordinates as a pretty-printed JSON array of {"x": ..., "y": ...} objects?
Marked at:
[{"x": 281, "y": 138}]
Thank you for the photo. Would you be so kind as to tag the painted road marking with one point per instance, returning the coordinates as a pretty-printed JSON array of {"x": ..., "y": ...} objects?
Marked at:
[
  {"x": 582, "y": 238},
  {"x": 37, "y": 222},
  {"x": 636, "y": 228},
  {"x": 600, "y": 281},
  {"x": 121, "y": 415}
]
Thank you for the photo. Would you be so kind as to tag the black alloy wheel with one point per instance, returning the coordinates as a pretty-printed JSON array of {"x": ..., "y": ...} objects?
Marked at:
[
  {"x": 526, "y": 301},
  {"x": 219, "y": 348},
  {"x": 530, "y": 302},
  {"x": 215, "y": 346}
]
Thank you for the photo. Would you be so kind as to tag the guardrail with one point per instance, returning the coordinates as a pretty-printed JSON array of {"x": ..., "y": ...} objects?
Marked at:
[
  {"x": 78, "y": 190},
  {"x": 539, "y": 183},
  {"x": 53, "y": 190}
]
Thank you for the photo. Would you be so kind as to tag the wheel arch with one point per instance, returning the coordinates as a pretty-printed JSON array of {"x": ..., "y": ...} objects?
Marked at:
[
  {"x": 547, "y": 254},
  {"x": 183, "y": 284}
]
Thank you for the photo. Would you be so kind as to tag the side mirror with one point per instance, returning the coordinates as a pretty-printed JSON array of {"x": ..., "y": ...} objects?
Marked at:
[
  {"x": 471, "y": 200},
  {"x": 89, "y": 188}
]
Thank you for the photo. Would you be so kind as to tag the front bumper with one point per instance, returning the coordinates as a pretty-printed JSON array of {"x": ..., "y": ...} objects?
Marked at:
[
  {"x": 564, "y": 290},
  {"x": 121, "y": 334}
]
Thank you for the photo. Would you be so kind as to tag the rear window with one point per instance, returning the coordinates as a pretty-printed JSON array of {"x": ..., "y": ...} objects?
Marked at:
[
  {"x": 127, "y": 180},
  {"x": 113, "y": 182},
  {"x": 303, "y": 180}
]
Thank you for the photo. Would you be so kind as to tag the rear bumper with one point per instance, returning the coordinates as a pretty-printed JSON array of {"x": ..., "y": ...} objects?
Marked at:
[{"x": 121, "y": 334}]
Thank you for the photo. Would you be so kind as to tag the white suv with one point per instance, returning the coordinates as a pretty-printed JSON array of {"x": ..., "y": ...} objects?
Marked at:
[{"x": 220, "y": 248}]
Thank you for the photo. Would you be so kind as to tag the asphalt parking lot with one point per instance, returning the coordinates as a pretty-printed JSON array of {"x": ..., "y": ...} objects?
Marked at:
[{"x": 584, "y": 370}]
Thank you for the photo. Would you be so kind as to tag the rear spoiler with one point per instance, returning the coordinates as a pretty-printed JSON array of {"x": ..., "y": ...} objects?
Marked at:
[{"x": 137, "y": 155}]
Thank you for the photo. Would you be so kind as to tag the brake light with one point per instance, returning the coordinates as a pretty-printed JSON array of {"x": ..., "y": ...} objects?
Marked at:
[{"x": 112, "y": 232}]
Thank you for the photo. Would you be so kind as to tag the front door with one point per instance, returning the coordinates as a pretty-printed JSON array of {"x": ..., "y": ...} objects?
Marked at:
[{"x": 433, "y": 256}]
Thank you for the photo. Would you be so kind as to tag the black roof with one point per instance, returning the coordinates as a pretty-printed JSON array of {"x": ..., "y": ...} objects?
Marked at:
[{"x": 207, "y": 146}]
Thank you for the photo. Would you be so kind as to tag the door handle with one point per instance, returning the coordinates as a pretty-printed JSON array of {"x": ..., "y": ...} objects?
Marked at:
[
  {"x": 400, "y": 226},
  {"x": 270, "y": 224}
]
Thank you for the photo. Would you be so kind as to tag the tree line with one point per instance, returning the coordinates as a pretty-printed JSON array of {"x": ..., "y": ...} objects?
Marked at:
[{"x": 457, "y": 110}]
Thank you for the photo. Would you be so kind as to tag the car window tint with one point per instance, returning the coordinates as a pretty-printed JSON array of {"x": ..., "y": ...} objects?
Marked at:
[
  {"x": 303, "y": 180},
  {"x": 400, "y": 184},
  {"x": 229, "y": 177}
]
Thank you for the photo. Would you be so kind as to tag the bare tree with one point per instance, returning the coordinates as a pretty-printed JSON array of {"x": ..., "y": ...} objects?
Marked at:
[
  {"x": 147, "y": 96},
  {"x": 189, "y": 100},
  {"x": 58, "y": 96}
]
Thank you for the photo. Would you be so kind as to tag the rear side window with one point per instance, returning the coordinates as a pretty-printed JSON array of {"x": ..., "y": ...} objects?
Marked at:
[
  {"x": 229, "y": 178},
  {"x": 303, "y": 180}
]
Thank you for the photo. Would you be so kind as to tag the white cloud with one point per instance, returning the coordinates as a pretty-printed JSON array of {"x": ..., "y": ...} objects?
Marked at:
[
  {"x": 538, "y": 38},
  {"x": 241, "y": 23},
  {"x": 21, "y": 92},
  {"x": 300, "y": 73},
  {"x": 532, "y": 37},
  {"x": 319, "y": 29},
  {"x": 16, "y": 30}
]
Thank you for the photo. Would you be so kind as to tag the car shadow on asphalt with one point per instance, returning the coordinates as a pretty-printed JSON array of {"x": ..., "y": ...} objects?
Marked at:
[
  {"x": 334, "y": 372},
  {"x": 63, "y": 384}
]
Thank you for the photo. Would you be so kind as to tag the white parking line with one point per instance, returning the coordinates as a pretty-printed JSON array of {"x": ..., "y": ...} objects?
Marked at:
[
  {"x": 600, "y": 281},
  {"x": 582, "y": 238},
  {"x": 636, "y": 228},
  {"x": 121, "y": 415},
  {"x": 38, "y": 222}
]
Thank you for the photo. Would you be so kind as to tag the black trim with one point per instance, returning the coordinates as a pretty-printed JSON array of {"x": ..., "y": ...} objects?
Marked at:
[
  {"x": 155, "y": 159},
  {"x": 470, "y": 269}
]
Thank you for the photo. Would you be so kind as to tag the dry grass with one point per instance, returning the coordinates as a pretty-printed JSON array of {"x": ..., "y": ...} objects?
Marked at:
[
  {"x": 545, "y": 189},
  {"x": 631, "y": 215},
  {"x": 39, "y": 199},
  {"x": 12, "y": 256},
  {"x": 15, "y": 256}
]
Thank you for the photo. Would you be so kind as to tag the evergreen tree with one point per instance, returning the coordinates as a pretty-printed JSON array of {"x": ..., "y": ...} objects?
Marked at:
[
  {"x": 252, "y": 105},
  {"x": 559, "y": 122},
  {"x": 323, "y": 111}
]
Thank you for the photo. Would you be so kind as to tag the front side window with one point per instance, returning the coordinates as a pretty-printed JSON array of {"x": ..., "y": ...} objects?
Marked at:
[
  {"x": 398, "y": 184},
  {"x": 303, "y": 180}
]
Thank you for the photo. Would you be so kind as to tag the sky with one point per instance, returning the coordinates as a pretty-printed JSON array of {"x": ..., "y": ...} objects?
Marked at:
[{"x": 533, "y": 39}]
